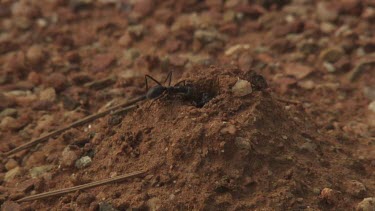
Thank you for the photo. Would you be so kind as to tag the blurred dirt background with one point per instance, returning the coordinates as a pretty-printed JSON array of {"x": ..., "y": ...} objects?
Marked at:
[{"x": 305, "y": 142}]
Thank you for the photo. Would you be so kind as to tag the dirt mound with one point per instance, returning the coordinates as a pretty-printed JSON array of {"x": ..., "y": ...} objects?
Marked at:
[
  {"x": 244, "y": 153},
  {"x": 302, "y": 141}
]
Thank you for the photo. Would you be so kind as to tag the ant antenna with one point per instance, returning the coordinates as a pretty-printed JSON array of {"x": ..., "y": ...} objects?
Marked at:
[
  {"x": 150, "y": 77},
  {"x": 183, "y": 82},
  {"x": 169, "y": 79},
  {"x": 169, "y": 76}
]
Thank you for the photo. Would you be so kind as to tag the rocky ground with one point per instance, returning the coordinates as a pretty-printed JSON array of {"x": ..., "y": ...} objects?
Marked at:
[{"x": 301, "y": 139}]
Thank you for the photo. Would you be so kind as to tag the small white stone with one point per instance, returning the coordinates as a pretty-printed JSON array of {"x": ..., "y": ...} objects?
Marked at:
[
  {"x": 367, "y": 204},
  {"x": 371, "y": 106},
  {"x": 83, "y": 162},
  {"x": 40, "y": 170},
  {"x": 329, "y": 67},
  {"x": 12, "y": 173},
  {"x": 48, "y": 94},
  {"x": 242, "y": 88}
]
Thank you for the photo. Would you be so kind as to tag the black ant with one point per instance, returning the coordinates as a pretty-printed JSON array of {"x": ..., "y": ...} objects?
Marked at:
[{"x": 160, "y": 90}]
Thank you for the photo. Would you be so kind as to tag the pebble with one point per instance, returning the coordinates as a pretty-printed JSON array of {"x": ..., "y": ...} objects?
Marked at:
[
  {"x": 143, "y": 7},
  {"x": 48, "y": 94},
  {"x": 369, "y": 92},
  {"x": 125, "y": 40},
  {"x": 309, "y": 147},
  {"x": 361, "y": 66},
  {"x": 35, "y": 55},
  {"x": 177, "y": 61},
  {"x": 235, "y": 48},
  {"x": 75, "y": 4},
  {"x": 69, "y": 156},
  {"x": 11, "y": 164},
  {"x": 81, "y": 78},
  {"x": 12, "y": 112},
  {"x": 130, "y": 55},
  {"x": 329, "y": 67},
  {"x": 85, "y": 199},
  {"x": 316, "y": 191},
  {"x": 242, "y": 88},
  {"x": 26, "y": 185},
  {"x": 4, "y": 78},
  {"x": 161, "y": 32},
  {"x": 8, "y": 123},
  {"x": 329, "y": 196},
  {"x": 15, "y": 62},
  {"x": 43, "y": 123},
  {"x": 327, "y": 27},
  {"x": 35, "y": 159},
  {"x": 83, "y": 162},
  {"x": 34, "y": 78},
  {"x": 306, "y": 84},
  {"x": 287, "y": 29},
  {"x": 232, "y": 4},
  {"x": 42, "y": 105},
  {"x": 41, "y": 22},
  {"x": 7, "y": 45},
  {"x": 4, "y": 11},
  {"x": 299, "y": 71},
  {"x": 136, "y": 31},
  {"x": 230, "y": 129},
  {"x": 245, "y": 61},
  {"x": 25, "y": 9},
  {"x": 9, "y": 175},
  {"x": 2, "y": 175},
  {"x": 369, "y": 13},
  {"x": 343, "y": 64},
  {"x": 6, "y": 101},
  {"x": 371, "y": 106},
  {"x": 355, "y": 188},
  {"x": 39, "y": 170},
  {"x": 209, "y": 36},
  {"x": 332, "y": 54},
  {"x": 102, "y": 61},
  {"x": 308, "y": 47},
  {"x": 229, "y": 16},
  {"x": 353, "y": 7},
  {"x": 326, "y": 11},
  {"x": 10, "y": 206},
  {"x": 154, "y": 203},
  {"x": 104, "y": 206},
  {"x": 243, "y": 143},
  {"x": 358, "y": 128},
  {"x": 22, "y": 23},
  {"x": 57, "y": 81},
  {"x": 69, "y": 103},
  {"x": 367, "y": 204}
]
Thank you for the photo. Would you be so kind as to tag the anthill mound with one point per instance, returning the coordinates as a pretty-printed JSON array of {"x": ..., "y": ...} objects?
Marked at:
[{"x": 230, "y": 152}]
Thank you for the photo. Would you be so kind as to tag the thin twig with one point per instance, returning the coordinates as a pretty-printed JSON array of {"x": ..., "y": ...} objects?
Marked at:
[
  {"x": 81, "y": 187},
  {"x": 123, "y": 110},
  {"x": 287, "y": 101},
  {"x": 75, "y": 124}
]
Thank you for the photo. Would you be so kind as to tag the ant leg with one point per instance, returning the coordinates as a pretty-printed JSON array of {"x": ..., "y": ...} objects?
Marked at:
[
  {"x": 164, "y": 94},
  {"x": 150, "y": 77},
  {"x": 146, "y": 84},
  {"x": 169, "y": 76},
  {"x": 183, "y": 82}
]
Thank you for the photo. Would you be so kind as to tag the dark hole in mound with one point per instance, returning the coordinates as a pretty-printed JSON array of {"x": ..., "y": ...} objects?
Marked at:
[
  {"x": 203, "y": 92},
  {"x": 258, "y": 82}
]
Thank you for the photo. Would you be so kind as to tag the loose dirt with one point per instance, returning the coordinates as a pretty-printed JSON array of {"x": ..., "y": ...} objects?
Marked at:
[{"x": 281, "y": 118}]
